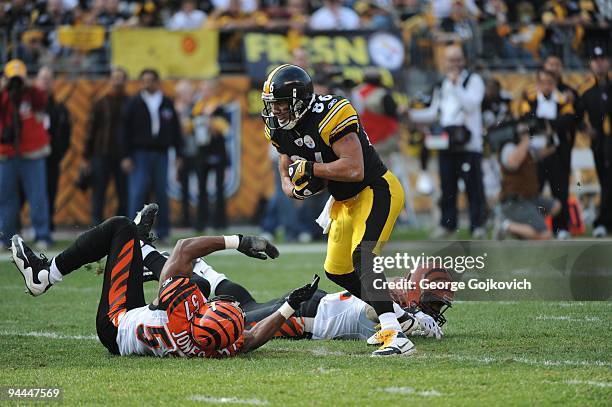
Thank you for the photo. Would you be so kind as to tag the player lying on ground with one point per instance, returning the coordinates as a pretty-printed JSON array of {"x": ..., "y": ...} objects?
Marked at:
[
  {"x": 181, "y": 321},
  {"x": 324, "y": 316}
]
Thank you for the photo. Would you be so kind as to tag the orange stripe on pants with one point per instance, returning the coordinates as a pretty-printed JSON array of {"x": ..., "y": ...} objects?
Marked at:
[{"x": 119, "y": 274}]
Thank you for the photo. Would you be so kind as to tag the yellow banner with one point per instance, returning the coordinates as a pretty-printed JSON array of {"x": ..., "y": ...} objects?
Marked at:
[
  {"x": 82, "y": 38},
  {"x": 175, "y": 54}
]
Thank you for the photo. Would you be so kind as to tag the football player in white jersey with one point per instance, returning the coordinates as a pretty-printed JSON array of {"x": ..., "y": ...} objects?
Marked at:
[{"x": 181, "y": 321}]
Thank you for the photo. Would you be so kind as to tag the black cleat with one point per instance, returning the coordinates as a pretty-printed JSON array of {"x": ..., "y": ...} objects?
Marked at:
[
  {"x": 144, "y": 222},
  {"x": 34, "y": 269}
]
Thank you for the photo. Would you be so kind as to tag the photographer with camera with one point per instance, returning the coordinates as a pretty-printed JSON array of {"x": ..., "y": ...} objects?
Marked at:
[
  {"x": 456, "y": 106},
  {"x": 24, "y": 144},
  {"x": 522, "y": 207},
  {"x": 548, "y": 103}
]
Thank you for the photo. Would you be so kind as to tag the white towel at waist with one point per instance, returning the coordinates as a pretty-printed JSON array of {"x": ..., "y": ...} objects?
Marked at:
[{"x": 324, "y": 220}]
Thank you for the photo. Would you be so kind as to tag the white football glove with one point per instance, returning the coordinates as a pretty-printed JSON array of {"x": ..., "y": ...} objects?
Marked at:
[{"x": 429, "y": 326}]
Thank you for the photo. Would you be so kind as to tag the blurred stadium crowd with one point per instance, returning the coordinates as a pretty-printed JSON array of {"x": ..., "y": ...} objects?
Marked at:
[
  {"x": 496, "y": 31},
  {"x": 476, "y": 130}
]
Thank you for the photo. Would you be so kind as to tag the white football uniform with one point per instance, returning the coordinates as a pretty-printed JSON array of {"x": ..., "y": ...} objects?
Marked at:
[
  {"x": 143, "y": 331},
  {"x": 342, "y": 316}
]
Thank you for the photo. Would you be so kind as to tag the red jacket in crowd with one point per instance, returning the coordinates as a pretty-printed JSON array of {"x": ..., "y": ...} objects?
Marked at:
[{"x": 34, "y": 139}]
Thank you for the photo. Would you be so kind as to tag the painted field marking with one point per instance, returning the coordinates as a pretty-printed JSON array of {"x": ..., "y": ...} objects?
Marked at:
[
  {"x": 411, "y": 391},
  {"x": 227, "y": 400}
]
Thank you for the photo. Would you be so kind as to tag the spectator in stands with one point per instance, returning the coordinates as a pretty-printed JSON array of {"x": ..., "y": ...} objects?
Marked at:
[
  {"x": 457, "y": 103},
  {"x": 528, "y": 35},
  {"x": 237, "y": 16},
  {"x": 294, "y": 15},
  {"x": 150, "y": 127},
  {"x": 24, "y": 144},
  {"x": 102, "y": 156},
  {"x": 597, "y": 103},
  {"x": 183, "y": 103},
  {"x": 54, "y": 15},
  {"x": 18, "y": 16},
  {"x": 334, "y": 16},
  {"x": 145, "y": 15},
  {"x": 564, "y": 21},
  {"x": 546, "y": 103},
  {"x": 244, "y": 6},
  {"x": 32, "y": 49},
  {"x": 373, "y": 15},
  {"x": 188, "y": 17},
  {"x": 460, "y": 22},
  {"x": 522, "y": 207},
  {"x": 211, "y": 127},
  {"x": 111, "y": 14},
  {"x": 58, "y": 124},
  {"x": 442, "y": 9}
]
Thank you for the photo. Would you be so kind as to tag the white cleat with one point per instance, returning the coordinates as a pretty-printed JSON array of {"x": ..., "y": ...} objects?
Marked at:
[
  {"x": 34, "y": 269},
  {"x": 395, "y": 344},
  {"x": 407, "y": 322}
]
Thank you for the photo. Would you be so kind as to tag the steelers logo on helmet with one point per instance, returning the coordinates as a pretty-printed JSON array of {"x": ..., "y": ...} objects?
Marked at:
[
  {"x": 287, "y": 94},
  {"x": 217, "y": 324}
]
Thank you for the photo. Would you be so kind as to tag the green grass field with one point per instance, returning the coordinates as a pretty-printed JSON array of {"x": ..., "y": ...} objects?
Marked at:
[{"x": 509, "y": 353}]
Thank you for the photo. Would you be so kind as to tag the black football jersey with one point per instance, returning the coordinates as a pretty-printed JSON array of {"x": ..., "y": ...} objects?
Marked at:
[{"x": 329, "y": 119}]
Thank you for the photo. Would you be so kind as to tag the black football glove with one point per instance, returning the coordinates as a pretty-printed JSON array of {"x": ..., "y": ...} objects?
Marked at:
[
  {"x": 301, "y": 171},
  {"x": 304, "y": 293},
  {"x": 257, "y": 247}
]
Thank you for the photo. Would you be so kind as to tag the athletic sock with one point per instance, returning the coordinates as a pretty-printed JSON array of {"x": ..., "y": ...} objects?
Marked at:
[
  {"x": 399, "y": 311},
  {"x": 388, "y": 320},
  {"x": 55, "y": 276},
  {"x": 146, "y": 249}
]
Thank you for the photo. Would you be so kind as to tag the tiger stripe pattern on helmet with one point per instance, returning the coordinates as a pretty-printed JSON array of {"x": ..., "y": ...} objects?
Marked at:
[{"x": 217, "y": 325}]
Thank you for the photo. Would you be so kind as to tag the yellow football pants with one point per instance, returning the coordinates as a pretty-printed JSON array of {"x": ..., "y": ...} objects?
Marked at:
[{"x": 369, "y": 216}]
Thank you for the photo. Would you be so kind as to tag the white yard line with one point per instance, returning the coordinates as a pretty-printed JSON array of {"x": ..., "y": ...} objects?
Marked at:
[
  {"x": 527, "y": 361},
  {"x": 589, "y": 383},
  {"x": 411, "y": 391},
  {"x": 586, "y": 318},
  {"x": 227, "y": 400},
  {"x": 49, "y": 335}
]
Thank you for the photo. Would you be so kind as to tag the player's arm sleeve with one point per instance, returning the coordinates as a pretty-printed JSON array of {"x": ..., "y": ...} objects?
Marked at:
[{"x": 339, "y": 121}]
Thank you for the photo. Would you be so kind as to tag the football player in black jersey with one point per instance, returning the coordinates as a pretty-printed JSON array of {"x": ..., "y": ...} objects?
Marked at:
[{"x": 319, "y": 137}]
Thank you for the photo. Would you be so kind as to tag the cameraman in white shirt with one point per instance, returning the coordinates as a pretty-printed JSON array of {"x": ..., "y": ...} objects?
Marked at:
[{"x": 456, "y": 107}]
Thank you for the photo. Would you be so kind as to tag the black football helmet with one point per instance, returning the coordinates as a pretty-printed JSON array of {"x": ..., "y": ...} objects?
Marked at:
[{"x": 287, "y": 83}]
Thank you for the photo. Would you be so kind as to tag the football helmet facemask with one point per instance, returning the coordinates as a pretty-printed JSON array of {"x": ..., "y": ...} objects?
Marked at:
[{"x": 291, "y": 84}]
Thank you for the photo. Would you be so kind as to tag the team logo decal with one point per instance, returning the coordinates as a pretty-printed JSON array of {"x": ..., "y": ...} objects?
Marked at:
[
  {"x": 309, "y": 142},
  {"x": 299, "y": 142}
]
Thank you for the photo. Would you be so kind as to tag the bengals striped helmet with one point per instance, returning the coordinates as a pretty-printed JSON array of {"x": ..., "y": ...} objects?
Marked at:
[
  {"x": 432, "y": 301},
  {"x": 218, "y": 324}
]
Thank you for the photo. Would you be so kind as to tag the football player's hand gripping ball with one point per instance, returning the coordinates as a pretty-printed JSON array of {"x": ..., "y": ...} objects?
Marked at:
[
  {"x": 300, "y": 172},
  {"x": 257, "y": 247}
]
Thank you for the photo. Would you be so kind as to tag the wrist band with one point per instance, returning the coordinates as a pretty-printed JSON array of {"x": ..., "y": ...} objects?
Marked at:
[
  {"x": 231, "y": 242},
  {"x": 286, "y": 310}
]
